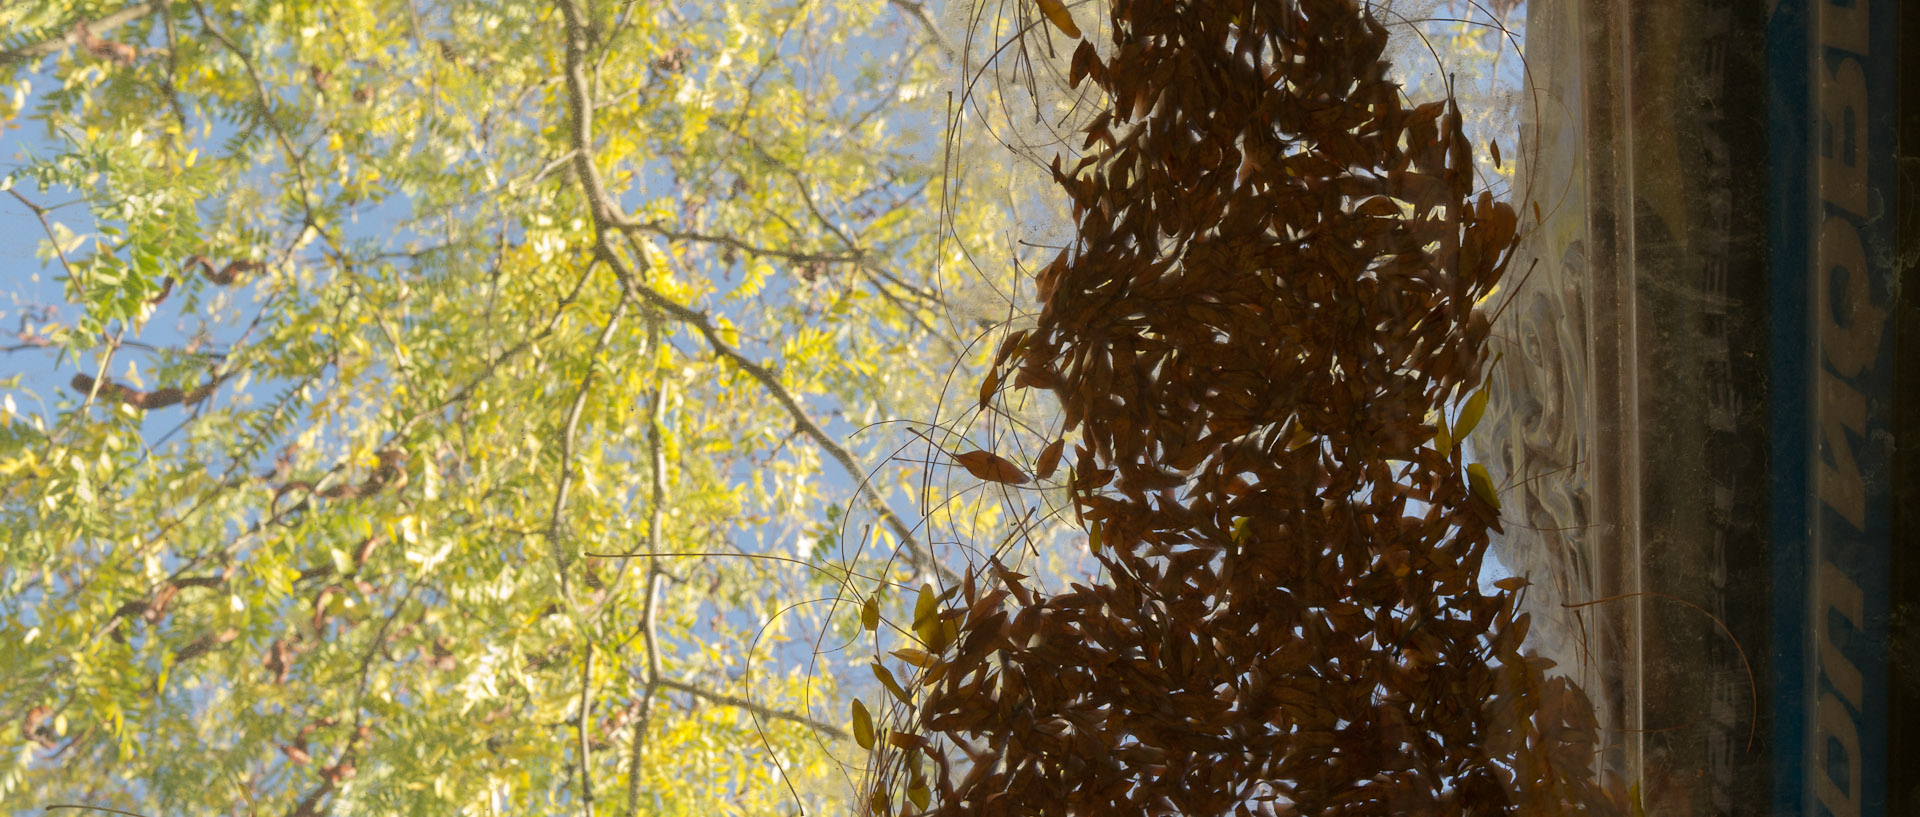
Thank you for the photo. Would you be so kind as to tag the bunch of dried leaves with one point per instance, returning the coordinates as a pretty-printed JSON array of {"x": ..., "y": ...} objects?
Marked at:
[{"x": 1271, "y": 300}]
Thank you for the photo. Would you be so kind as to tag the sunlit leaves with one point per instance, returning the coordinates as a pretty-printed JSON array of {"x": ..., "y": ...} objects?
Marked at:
[{"x": 421, "y": 276}]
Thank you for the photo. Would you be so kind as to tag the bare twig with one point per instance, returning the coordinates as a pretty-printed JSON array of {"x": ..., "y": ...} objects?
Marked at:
[
  {"x": 47, "y": 227},
  {"x": 95, "y": 808},
  {"x": 167, "y": 84}
]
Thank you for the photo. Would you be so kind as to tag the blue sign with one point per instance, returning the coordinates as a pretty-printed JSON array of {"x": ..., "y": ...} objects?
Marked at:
[{"x": 1832, "y": 129}]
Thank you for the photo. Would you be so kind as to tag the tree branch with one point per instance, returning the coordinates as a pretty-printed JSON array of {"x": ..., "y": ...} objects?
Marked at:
[
  {"x": 34, "y": 51},
  {"x": 757, "y": 709},
  {"x": 855, "y": 256},
  {"x": 570, "y": 428},
  {"x": 608, "y": 218},
  {"x": 918, "y": 12},
  {"x": 585, "y": 750},
  {"x": 296, "y": 161},
  {"x": 606, "y": 215},
  {"x": 648, "y": 622},
  {"x": 921, "y": 555}
]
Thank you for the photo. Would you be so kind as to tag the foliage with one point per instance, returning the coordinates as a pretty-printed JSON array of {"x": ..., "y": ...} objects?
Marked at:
[
  {"x": 383, "y": 316},
  {"x": 1277, "y": 290}
]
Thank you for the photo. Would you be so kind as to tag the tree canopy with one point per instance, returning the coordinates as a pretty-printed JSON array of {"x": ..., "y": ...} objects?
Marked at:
[{"x": 380, "y": 318}]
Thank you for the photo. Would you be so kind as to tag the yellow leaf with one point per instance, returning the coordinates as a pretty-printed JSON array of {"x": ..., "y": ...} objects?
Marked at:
[
  {"x": 1470, "y": 415},
  {"x": 862, "y": 725},
  {"x": 917, "y": 792},
  {"x": 918, "y": 658},
  {"x": 1057, "y": 13},
  {"x": 1093, "y": 536},
  {"x": 925, "y": 607},
  {"x": 870, "y": 614},
  {"x": 1442, "y": 438},
  {"x": 1482, "y": 485},
  {"x": 929, "y": 634},
  {"x": 1301, "y": 436},
  {"x": 936, "y": 632},
  {"x": 886, "y": 680},
  {"x": 926, "y": 619}
]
